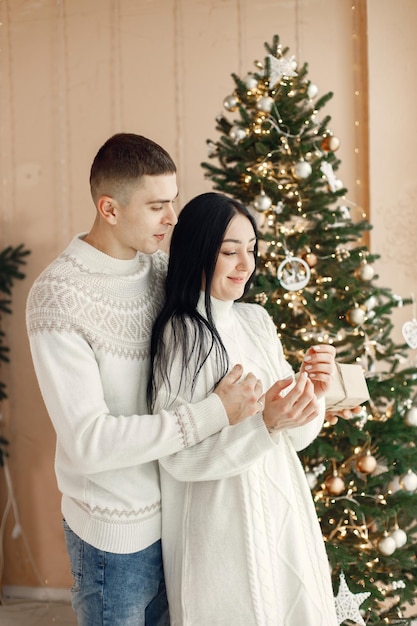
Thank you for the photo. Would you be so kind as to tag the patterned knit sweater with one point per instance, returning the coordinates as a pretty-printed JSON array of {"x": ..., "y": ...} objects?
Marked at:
[
  {"x": 89, "y": 320},
  {"x": 241, "y": 541}
]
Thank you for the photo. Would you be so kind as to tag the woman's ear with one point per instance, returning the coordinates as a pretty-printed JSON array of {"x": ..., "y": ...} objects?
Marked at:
[{"x": 107, "y": 208}]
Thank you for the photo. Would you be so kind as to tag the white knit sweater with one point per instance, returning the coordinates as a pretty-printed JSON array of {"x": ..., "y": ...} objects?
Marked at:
[
  {"x": 89, "y": 320},
  {"x": 241, "y": 542}
]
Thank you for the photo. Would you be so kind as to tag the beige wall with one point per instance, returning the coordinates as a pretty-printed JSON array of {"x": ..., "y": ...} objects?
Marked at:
[
  {"x": 73, "y": 72},
  {"x": 393, "y": 133}
]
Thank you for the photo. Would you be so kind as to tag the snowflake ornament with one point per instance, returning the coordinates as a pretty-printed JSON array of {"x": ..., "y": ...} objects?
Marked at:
[
  {"x": 327, "y": 170},
  {"x": 281, "y": 67},
  {"x": 348, "y": 603}
]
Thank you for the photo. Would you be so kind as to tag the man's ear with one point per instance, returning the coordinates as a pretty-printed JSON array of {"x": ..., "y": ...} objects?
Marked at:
[{"x": 107, "y": 208}]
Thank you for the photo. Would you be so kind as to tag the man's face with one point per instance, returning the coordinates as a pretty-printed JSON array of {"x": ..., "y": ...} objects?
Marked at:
[{"x": 148, "y": 218}]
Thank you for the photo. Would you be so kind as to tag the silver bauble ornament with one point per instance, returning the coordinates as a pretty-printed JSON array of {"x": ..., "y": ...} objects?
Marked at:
[
  {"x": 312, "y": 90},
  {"x": 230, "y": 103},
  {"x": 262, "y": 202},
  {"x": 250, "y": 81},
  {"x": 265, "y": 104},
  {"x": 236, "y": 133}
]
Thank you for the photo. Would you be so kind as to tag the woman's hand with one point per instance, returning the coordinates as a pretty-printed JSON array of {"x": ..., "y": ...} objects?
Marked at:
[
  {"x": 289, "y": 405},
  {"x": 319, "y": 364},
  {"x": 333, "y": 416}
]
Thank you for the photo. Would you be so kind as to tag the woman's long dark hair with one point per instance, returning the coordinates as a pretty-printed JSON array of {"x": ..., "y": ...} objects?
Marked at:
[{"x": 195, "y": 246}]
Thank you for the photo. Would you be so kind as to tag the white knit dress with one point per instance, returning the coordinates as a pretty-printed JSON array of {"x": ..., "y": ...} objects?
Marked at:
[{"x": 241, "y": 541}]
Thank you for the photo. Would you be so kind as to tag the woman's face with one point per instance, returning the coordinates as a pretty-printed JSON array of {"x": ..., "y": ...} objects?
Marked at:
[{"x": 236, "y": 260}]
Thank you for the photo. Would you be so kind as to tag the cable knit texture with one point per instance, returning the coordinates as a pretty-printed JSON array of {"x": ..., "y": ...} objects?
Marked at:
[
  {"x": 89, "y": 320},
  {"x": 241, "y": 541}
]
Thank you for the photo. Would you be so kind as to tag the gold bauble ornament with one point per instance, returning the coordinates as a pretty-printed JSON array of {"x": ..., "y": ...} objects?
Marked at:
[
  {"x": 366, "y": 463},
  {"x": 311, "y": 259},
  {"x": 330, "y": 143},
  {"x": 335, "y": 485}
]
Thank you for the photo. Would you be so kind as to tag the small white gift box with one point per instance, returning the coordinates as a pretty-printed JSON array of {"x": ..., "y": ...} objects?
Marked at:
[{"x": 347, "y": 389}]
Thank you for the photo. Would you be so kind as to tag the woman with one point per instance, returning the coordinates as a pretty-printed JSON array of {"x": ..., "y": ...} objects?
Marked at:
[{"x": 242, "y": 545}]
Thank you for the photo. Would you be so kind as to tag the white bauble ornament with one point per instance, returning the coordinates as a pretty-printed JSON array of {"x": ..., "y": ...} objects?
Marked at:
[
  {"x": 302, "y": 169},
  {"x": 312, "y": 90},
  {"x": 265, "y": 104},
  {"x": 365, "y": 272},
  {"x": 262, "y": 202},
  {"x": 411, "y": 417},
  {"x": 387, "y": 546},
  {"x": 356, "y": 316},
  {"x": 311, "y": 479},
  {"x": 399, "y": 536},
  {"x": 230, "y": 103},
  {"x": 409, "y": 481},
  {"x": 250, "y": 81},
  {"x": 237, "y": 133},
  {"x": 371, "y": 303}
]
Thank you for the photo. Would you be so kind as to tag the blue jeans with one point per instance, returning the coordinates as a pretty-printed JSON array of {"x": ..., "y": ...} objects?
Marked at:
[{"x": 117, "y": 589}]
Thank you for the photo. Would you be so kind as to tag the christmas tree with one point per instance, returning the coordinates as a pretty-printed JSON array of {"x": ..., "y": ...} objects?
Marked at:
[{"x": 315, "y": 277}]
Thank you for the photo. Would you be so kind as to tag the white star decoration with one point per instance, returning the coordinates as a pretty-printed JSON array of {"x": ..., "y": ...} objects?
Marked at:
[
  {"x": 347, "y": 603},
  {"x": 280, "y": 67}
]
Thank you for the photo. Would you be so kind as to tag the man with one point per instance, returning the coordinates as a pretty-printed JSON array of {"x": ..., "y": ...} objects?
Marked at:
[{"x": 89, "y": 320}]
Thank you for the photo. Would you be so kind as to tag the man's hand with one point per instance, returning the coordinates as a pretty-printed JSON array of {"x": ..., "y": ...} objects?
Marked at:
[
  {"x": 319, "y": 365},
  {"x": 240, "y": 396},
  {"x": 290, "y": 409}
]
